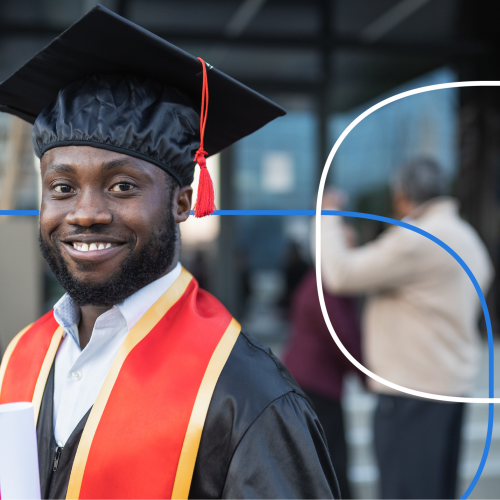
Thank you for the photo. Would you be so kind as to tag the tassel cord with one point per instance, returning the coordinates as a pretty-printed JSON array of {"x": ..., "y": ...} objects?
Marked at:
[{"x": 205, "y": 201}]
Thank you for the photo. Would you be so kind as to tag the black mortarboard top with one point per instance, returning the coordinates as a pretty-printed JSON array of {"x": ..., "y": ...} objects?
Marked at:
[{"x": 87, "y": 60}]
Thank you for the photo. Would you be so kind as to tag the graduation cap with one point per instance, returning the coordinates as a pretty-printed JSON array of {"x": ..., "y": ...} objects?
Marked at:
[{"x": 106, "y": 82}]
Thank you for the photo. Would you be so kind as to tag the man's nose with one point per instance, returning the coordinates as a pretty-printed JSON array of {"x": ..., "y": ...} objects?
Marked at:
[{"x": 89, "y": 210}]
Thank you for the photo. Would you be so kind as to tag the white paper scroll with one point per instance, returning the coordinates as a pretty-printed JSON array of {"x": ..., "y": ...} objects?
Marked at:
[{"x": 19, "y": 476}]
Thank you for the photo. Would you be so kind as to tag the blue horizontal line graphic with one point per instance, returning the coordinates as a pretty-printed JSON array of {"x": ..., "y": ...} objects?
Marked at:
[{"x": 19, "y": 212}]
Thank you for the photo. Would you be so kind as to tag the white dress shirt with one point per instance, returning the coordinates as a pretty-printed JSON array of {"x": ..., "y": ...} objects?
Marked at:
[{"x": 79, "y": 374}]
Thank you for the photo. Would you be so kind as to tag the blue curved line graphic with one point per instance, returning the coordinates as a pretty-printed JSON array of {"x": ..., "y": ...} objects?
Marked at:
[
  {"x": 359, "y": 215},
  {"x": 491, "y": 361},
  {"x": 491, "y": 381}
]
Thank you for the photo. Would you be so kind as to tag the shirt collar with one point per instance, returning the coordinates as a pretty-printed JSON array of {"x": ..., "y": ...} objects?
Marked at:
[{"x": 67, "y": 314}]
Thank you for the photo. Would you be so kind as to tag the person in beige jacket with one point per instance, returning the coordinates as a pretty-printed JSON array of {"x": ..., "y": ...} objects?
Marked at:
[{"x": 420, "y": 326}]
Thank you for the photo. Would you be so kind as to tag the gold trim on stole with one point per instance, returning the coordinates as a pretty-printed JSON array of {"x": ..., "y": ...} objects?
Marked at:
[
  {"x": 43, "y": 376},
  {"x": 148, "y": 321},
  {"x": 185, "y": 467}
]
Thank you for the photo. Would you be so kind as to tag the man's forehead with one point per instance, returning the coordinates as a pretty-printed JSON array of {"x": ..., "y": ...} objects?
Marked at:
[
  {"x": 85, "y": 156},
  {"x": 85, "y": 160}
]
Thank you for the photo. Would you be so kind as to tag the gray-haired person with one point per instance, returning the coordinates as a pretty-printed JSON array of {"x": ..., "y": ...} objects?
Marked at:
[{"x": 420, "y": 327}]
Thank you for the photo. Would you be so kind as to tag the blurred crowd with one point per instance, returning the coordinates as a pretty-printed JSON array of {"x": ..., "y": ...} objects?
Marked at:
[{"x": 418, "y": 328}]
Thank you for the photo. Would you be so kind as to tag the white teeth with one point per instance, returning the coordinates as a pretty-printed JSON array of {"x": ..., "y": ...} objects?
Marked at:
[{"x": 85, "y": 247}]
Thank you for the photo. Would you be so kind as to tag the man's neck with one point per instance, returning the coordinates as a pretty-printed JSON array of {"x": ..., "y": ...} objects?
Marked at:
[
  {"x": 89, "y": 314},
  {"x": 88, "y": 317}
]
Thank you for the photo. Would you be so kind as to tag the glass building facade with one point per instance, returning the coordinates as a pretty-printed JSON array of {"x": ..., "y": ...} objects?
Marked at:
[{"x": 276, "y": 167}]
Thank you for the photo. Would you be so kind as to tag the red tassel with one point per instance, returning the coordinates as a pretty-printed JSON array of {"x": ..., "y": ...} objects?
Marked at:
[{"x": 205, "y": 201}]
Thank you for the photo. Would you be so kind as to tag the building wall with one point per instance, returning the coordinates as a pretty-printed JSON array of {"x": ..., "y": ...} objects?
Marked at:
[{"x": 21, "y": 284}]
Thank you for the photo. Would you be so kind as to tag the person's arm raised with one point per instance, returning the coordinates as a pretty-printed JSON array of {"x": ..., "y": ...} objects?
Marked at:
[{"x": 384, "y": 263}]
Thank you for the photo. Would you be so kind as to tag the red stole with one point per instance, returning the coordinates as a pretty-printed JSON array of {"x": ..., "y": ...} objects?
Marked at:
[{"x": 142, "y": 436}]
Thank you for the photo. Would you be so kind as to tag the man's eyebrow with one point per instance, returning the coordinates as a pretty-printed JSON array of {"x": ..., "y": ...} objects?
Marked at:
[
  {"x": 110, "y": 165},
  {"x": 65, "y": 168},
  {"x": 61, "y": 168}
]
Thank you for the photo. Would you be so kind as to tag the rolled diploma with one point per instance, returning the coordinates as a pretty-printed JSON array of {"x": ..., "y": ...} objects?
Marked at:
[{"x": 19, "y": 476}]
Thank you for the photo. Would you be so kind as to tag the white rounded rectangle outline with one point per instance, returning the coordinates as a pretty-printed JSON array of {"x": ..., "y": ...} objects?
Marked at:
[{"x": 326, "y": 168}]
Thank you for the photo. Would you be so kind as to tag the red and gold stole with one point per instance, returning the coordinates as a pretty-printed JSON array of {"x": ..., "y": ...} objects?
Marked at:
[{"x": 142, "y": 435}]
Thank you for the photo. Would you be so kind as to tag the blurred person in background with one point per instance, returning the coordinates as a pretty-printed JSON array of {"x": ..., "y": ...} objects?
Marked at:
[
  {"x": 420, "y": 326},
  {"x": 319, "y": 366}
]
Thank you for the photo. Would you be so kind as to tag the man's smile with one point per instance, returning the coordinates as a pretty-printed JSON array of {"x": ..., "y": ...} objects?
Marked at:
[
  {"x": 84, "y": 247},
  {"x": 92, "y": 247}
]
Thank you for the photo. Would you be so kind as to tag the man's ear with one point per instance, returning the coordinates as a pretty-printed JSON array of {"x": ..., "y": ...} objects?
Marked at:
[{"x": 182, "y": 203}]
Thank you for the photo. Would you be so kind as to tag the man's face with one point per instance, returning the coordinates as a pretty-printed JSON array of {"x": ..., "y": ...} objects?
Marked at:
[{"x": 108, "y": 222}]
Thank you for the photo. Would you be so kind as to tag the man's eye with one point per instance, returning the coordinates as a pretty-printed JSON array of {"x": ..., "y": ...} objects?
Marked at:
[
  {"x": 122, "y": 186},
  {"x": 63, "y": 188}
]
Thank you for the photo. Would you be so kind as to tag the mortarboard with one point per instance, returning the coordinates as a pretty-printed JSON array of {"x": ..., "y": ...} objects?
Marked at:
[{"x": 107, "y": 82}]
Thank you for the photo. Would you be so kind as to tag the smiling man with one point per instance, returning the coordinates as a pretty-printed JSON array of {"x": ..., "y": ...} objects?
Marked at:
[
  {"x": 108, "y": 226},
  {"x": 143, "y": 385}
]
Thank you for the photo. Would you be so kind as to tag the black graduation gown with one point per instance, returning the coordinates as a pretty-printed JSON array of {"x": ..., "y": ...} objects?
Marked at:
[{"x": 261, "y": 438}]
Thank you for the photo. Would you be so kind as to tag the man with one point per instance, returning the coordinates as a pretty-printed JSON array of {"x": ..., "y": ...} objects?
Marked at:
[
  {"x": 143, "y": 385},
  {"x": 420, "y": 327}
]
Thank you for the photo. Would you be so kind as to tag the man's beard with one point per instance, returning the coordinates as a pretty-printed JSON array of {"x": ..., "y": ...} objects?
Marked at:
[{"x": 136, "y": 271}]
